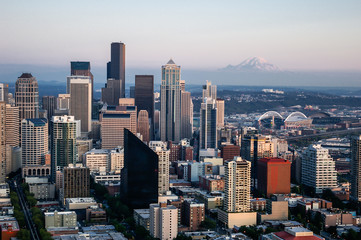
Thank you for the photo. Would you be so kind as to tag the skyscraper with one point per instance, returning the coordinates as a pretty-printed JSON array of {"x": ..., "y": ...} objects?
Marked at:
[
  {"x": 163, "y": 165},
  {"x": 34, "y": 141},
  {"x": 116, "y": 69},
  {"x": 79, "y": 88},
  {"x": 356, "y": 168},
  {"x": 12, "y": 126},
  {"x": 186, "y": 115},
  {"x": 63, "y": 102},
  {"x": 237, "y": 185},
  {"x": 144, "y": 97},
  {"x": 82, "y": 69},
  {"x": 27, "y": 96},
  {"x": 113, "y": 122},
  {"x": 139, "y": 177},
  {"x": 49, "y": 104},
  {"x": 318, "y": 169},
  {"x": 2, "y": 141},
  {"x": 209, "y": 91},
  {"x": 63, "y": 142},
  {"x": 208, "y": 124},
  {"x": 255, "y": 147},
  {"x": 220, "y": 112},
  {"x": 76, "y": 181},
  {"x": 143, "y": 125},
  {"x": 170, "y": 124},
  {"x": 4, "y": 91}
]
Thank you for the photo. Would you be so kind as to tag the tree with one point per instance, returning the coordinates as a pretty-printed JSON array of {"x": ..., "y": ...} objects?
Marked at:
[
  {"x": 23, "y": 234},
  {"x": 208, "y": 224},
  {"x": 182, "y": 237},
  {"x": 45, "y": 235}
]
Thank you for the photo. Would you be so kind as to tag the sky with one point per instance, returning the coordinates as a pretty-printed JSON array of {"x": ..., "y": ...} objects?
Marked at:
[{"x": 294, "y": 35}]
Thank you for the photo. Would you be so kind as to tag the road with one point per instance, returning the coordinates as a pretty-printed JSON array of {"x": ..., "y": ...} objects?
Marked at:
[
  {"x": 24, "y": 206},
  {"x": 332, "y": 133}
]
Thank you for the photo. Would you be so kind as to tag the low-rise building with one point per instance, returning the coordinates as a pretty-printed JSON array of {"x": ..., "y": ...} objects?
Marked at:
[
  {"x": 96, "y": 215},
  {"x": 44, "y": 191},
  {"x": 80, "y": 203},
  {"x": 294, "y": 233},
  {"x": 60, "y": 219},
  {"x": 141, "y": 217}
]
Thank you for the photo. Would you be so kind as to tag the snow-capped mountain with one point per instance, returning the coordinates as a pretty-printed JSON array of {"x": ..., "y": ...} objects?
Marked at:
[{"x": 253, "y": 64}]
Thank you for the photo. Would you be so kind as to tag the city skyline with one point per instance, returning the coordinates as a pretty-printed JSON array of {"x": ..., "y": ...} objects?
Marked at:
[{"x": 293, "y": 36}]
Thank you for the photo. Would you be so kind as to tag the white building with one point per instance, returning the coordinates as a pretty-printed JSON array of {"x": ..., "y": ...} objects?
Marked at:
[
  {"x": 116, "y": 156},
  {"x": 318, "y": 169},
  {"x": 163, "y": 221},
  {"x": 237, "y": 185},
  {"x": 163, "y": 165},
  {"x": 96, "y": 159}
]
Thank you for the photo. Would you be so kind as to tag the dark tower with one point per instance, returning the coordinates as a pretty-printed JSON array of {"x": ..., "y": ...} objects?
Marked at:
[
  {"x": 117, "y": 68},
  {"x": 139, "y": 177},
  {"x": 144, "y": 97}
]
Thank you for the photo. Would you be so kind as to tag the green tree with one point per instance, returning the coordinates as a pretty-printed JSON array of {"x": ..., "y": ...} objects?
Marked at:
[
  {"x": 208, "y": 224},
  {"x": 23, "y": 234},
  {"x": 45, "y": 235}
]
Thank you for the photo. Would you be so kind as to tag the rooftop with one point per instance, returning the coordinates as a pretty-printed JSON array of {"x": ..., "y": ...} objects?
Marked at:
[
  {"x": 274, "y": 160},
  {"x": 26, "y": 75}
]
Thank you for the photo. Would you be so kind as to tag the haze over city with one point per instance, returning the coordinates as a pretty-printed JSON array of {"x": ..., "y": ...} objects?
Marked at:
[{"x": 201, "y": 36}]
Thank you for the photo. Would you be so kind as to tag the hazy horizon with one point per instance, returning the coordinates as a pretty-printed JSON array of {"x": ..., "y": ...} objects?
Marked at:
[{"x": 295, "y": 36}]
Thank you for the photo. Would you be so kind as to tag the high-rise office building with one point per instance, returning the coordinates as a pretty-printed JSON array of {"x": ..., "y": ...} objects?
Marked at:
[
  {"x": 356, "y": 168},
  {"x": 209, "y": 91},
  {"x": 186, "y": 115},
  {"x": 4, "y": 91},
  {"x": 229, "y": 151},
  {"x": 139, "y": 177},
  {"x": 82, "y": 69},
  {"x": 76, "y": 181},
  {"x": 113, "y": 122},
  {"x": 208, "y": 124},
  {"x": 237, "y": 185},
  {"x": 116, "y": 70},
  {"x": 157, "y": 125},
  {"x": 143, "y": 125},
  {"x": 12, "y": 126},
  {"x": 34, "y": 141},
  {"x": 318, "y": 169},
  {"x": 2, "y": 141},
  {"x": 170, "y": 109},
  {"x": 163, "y": 221},
  {"x": 144, "y": 97},
  {"x": 27, "y": 96},
  {"x": 63, "y": 102},
  {"x": 274, "y": 176},
  {"x": 49, "y": 104},
  {"x": 80, "y": 90},
  {"x": 220, "y": 112},
  {"x": 255, "y": 147},
  {"x": 163, "y": 165},
  {"x": 63, "y": 142}
]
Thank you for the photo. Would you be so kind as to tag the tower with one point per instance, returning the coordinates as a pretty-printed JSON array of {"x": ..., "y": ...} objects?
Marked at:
[
  {"x": 144, "y": 97},
  {"x": 161, "y": 150},
  {"x": 143, "y": 125},
  {"x": 139, "y": 176},
  {"x": 34, "y": 141},
  {"x": 82, "y": 69},
  {"x": 80, "y": 90},
  {"x": 27, "y": 96},
  {"x": 220, "y": 112},
  {"x": 116, "y": 69},
  {"x": 2, "y": 142},
  {"x": 318, "y": 169},
  {"x": 63, "y": 142},
  {"x": 170, "y": 103},
  {"x": 237, "y": 185},
  {"x": 208, "y": 124},
  {"x": 186, "y": 115},
  {"x": 49, "y": 104},
  {"x": 356, "y": 168}
]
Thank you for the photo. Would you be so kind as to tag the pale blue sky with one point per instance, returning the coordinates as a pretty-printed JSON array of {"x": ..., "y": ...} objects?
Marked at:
[{"x": 303, "y": 35}]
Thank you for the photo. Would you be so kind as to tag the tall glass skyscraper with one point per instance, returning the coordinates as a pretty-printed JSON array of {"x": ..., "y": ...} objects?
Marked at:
[
  {"x": 63, "y": 142},
  {"x": 208, "y": 124},
  {"x": 170, "y": 109},
  {"x": 139, "y": 180}
]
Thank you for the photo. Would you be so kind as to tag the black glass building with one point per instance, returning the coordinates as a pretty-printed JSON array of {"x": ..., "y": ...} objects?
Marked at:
[{"x": 139, "y": 180}]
